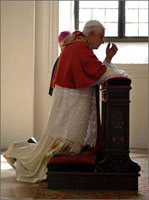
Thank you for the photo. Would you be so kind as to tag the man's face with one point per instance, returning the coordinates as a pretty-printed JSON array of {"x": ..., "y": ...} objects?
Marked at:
[{"x": 96, "y": 39}]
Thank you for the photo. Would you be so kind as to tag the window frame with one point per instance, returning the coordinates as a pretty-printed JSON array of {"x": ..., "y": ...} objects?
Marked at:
[{"x": 121, "y": 25}]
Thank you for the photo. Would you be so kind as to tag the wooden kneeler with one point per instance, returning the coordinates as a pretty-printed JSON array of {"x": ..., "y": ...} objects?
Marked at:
[{"x": 108, "y": 166}]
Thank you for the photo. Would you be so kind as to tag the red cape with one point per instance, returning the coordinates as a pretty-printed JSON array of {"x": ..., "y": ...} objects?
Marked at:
[{"x": 78, "y": 66}]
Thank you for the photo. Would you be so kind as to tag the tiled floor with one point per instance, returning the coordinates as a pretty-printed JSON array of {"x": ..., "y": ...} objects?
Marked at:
[{"x": 11, "y": 189}]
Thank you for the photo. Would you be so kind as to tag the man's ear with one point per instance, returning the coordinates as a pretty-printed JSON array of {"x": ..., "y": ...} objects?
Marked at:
[{"x": 91, "y": 34}]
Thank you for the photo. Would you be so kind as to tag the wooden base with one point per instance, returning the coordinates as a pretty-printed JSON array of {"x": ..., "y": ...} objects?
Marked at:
[{"x": 94, "y": 180}]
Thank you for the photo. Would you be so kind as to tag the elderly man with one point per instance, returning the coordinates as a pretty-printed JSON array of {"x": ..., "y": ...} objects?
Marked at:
[{"x": 72, "y": 120}]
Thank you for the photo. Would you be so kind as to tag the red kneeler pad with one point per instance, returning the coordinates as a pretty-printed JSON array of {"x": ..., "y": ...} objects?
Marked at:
[
  {"x": 117, "y": 80},
  {"x": 77, "y": 163}
]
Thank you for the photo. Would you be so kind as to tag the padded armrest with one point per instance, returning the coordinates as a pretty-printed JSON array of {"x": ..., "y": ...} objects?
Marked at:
[{"x": 117, "y": 80}]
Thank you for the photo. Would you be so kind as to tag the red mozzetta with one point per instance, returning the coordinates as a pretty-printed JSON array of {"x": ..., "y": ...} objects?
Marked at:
[{"x": 78, "y": 67}]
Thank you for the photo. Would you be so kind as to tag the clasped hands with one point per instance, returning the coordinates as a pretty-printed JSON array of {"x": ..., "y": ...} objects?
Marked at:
[{"x": 110, "y": 52}]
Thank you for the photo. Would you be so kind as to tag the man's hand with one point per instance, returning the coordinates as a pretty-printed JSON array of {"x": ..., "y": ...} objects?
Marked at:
[{"x": 110, "y": 52}]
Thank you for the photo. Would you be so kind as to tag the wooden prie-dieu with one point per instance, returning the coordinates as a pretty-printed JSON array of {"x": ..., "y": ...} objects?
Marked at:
[{"x": 109, "y": 167}]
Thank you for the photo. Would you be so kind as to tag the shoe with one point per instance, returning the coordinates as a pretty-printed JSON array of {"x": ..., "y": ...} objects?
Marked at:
[{"x": 31, "y": 140}]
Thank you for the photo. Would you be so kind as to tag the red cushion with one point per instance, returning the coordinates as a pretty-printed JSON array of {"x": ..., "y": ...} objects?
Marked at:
[
  {"x": 117, "y": 80},
  {"x": 73, "y": 159}
]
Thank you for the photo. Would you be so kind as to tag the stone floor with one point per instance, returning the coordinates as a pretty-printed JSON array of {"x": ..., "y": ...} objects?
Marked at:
[{"x": 11, "y": 189}]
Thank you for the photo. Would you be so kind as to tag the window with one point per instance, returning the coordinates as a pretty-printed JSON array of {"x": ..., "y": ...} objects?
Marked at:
[
  {"x": 122, "y": 19},
  {"x": 136, "y": 18}
]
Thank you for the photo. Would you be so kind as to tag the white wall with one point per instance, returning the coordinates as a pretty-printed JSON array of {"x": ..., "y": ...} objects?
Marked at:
[
  {"x": 17, "y": 64},
  {"x": 139, "y": 128}
]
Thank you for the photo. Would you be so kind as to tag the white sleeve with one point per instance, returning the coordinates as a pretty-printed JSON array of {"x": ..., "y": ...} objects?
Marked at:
[{"x": 111, "y": 71}]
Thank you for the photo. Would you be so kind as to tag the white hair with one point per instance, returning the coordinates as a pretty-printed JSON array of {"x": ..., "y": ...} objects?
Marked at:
[{"x": 93, "y": 26}]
